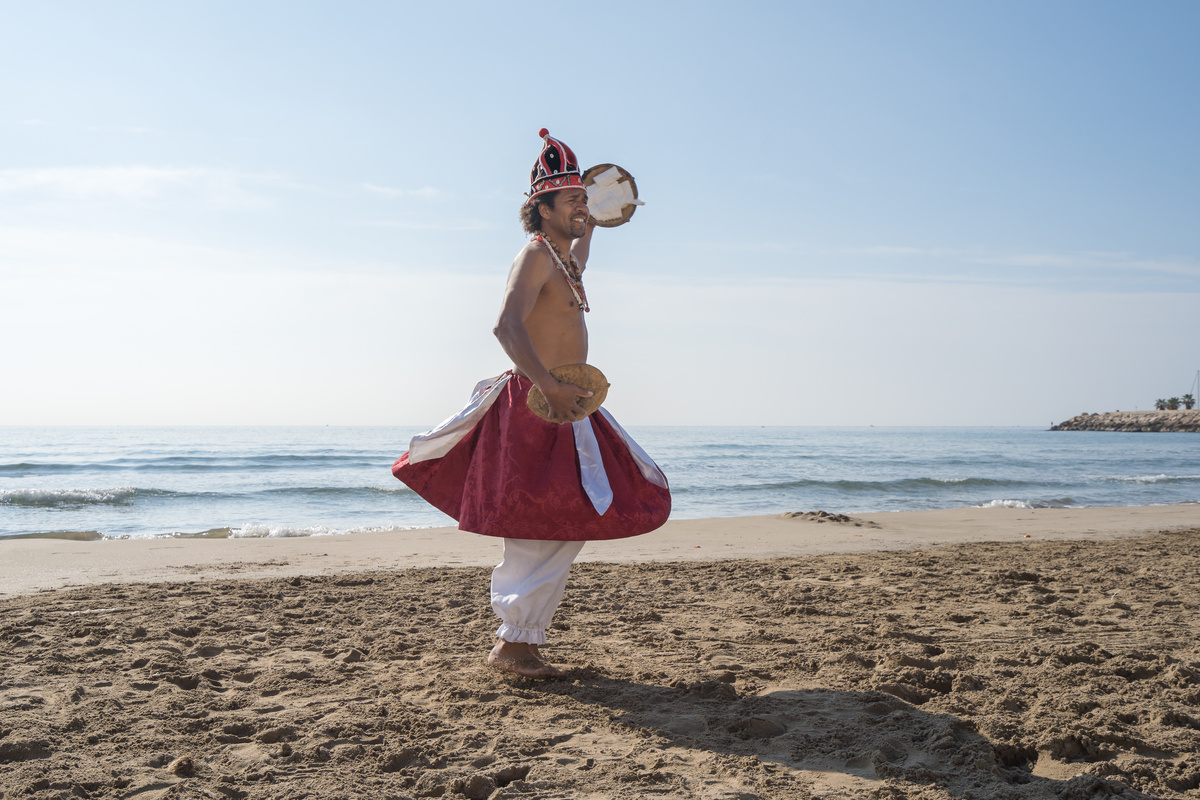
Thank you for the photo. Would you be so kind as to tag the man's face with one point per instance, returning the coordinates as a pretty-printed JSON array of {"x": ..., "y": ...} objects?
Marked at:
[{"x": 570, "y": 212}]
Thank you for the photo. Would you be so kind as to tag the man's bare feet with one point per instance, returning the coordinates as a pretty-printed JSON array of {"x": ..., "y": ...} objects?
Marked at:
[{"x": 521, "y": 659}]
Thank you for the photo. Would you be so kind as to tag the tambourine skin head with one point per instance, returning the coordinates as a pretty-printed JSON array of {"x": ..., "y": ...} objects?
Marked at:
[
  {"x": 585, "y": 376},
  {"x": 612, "y": 195}
]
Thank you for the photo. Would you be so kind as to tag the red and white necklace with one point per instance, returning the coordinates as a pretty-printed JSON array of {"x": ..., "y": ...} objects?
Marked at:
[{"x": 572, "y": 273}]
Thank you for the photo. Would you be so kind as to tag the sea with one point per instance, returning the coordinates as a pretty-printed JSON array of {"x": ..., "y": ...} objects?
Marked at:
[{"x": 147, "y": 482}]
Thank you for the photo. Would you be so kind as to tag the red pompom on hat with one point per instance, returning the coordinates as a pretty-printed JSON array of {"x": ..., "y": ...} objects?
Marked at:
[{"x": 556, "y": 168}]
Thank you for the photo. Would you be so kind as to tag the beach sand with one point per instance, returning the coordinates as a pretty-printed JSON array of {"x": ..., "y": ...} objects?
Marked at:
[{"x": 968, "y": 653}]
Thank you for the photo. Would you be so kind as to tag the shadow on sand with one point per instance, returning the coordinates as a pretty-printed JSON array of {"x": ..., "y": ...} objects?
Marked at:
[{"x": 870, "y": 744}]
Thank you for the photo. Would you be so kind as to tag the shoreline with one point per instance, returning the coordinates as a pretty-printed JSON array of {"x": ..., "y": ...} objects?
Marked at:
[{"x": 33, "y": 565}]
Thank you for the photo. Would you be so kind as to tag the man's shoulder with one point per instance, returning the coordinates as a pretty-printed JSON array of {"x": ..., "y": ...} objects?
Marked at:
[
  {"x": 533, "y": 256},
  {"x": 534, "y": 247}
]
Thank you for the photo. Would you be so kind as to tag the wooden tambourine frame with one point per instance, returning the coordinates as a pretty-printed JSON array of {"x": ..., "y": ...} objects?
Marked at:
[
  {"x": 608, "y": 184},
  {"x": 585, "y": 376}
]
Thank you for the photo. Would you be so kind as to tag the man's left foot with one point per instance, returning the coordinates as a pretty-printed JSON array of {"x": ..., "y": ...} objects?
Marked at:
[{"x": 521, "y": 659}]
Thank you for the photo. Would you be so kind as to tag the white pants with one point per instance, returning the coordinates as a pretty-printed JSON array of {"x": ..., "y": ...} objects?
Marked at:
[{"x": 527, "y": 586}]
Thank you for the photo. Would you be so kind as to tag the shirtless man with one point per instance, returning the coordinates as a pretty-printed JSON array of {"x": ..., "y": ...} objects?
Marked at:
[
  {"x": 500, "y": 470},
  {"x": 541, "y": 326}
]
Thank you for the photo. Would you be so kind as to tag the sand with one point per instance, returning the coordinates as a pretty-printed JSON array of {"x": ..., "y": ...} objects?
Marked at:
[{"x": 974, "y": 653}]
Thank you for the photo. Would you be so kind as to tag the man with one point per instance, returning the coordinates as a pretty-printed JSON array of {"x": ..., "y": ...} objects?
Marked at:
[{"x": 546, "y": 487}]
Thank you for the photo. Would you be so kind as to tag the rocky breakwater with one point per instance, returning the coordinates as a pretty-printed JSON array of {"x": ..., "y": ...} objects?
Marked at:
[{"x": 1135, "y": 422}]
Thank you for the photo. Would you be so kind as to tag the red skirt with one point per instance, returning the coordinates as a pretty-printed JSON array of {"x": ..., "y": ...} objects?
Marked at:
[{"x": 517, "y": 476}]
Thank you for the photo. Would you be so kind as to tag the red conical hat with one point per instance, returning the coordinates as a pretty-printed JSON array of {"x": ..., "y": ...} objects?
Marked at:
[{"x": 556, "y": 167}]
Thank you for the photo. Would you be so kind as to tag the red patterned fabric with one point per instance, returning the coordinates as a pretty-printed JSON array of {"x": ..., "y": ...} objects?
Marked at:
[
  {"x": 556, "y": 168},
  {"x": 517, "y": 476}
]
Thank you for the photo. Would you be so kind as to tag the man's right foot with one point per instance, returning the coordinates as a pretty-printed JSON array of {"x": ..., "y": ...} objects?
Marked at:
[{"x": 521, "y": 659}]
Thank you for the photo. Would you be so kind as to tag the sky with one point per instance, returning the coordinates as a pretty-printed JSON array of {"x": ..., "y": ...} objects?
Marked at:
[{"x": 856, "y": 213}]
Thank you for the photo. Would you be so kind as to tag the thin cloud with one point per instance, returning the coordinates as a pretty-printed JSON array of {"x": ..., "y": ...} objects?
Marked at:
[
  {"x": 136, "y": 183},
  {"x": 118, "y": 129},
  {"x": 1088, "y": 259},
  {"x": 974, "y": 265},
  {"x": 424, "y": 193},
  {"x": 31, "y": 252},
  {"x": 1093, "y": 261},
  {"x": 1187, "y": 268},
  {"x": 775, "y": 248},
  {"x": 410, "y": 225},
  {"x": 894, "y": 250}
]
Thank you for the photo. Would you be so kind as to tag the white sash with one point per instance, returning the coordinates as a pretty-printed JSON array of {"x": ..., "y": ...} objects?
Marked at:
[{"x": 441, "y": 440}]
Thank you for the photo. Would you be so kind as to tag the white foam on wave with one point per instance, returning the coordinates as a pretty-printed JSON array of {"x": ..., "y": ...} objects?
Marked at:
[
  {"x": 280, "y": 532},
  {"x": 1005, "y": 504},
  {"x": 253, "y": 531},
  {"x": 66, "y": 497},
  {"x": 1154, "y": 478},
  {"x": 1057, "y": 502}
]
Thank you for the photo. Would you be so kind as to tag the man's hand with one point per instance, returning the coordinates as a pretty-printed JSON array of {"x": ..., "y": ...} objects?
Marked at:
[{"x": 561, "y": 398}]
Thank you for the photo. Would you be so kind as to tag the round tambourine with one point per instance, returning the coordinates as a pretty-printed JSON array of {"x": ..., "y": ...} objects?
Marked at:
[
  {"x": 612, "y": 195},
  {"x": 585, "y": 376}
]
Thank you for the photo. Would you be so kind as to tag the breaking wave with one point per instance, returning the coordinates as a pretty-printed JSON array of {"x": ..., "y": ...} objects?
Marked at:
[
  {"x": 1062, "y": 502},
  {"x": 1151, "y": 479},
  {"x": 922, "y": 485},
  {"x": 57, "y": 498}
]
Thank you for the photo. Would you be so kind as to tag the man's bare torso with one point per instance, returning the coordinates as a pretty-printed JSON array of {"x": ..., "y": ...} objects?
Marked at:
[{"x": 556, "y": 323}]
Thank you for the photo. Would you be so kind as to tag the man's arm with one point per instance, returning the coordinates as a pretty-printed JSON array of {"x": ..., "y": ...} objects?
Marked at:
[
  {"x": 581, "y": 247},
  {"x": 530, "y": 273}
]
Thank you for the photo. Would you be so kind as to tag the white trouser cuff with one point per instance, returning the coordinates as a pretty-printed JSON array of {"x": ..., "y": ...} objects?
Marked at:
[{"x": 512, "y": 633}]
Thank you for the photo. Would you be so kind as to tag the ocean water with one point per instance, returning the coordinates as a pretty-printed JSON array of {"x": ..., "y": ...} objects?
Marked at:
[{"x": 304, "y": 481}]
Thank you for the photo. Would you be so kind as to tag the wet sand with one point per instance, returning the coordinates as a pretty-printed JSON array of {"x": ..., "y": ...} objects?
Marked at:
[{"x": 28, "y": 565}]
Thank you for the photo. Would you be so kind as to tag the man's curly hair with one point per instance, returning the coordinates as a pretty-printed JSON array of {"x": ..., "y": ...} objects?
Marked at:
[{"x": 531, "y": 218}]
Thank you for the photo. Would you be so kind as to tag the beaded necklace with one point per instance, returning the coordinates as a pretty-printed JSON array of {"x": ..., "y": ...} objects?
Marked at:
[{"x": 572, "y": 273}]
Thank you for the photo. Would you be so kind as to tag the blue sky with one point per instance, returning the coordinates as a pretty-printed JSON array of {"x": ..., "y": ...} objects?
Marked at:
[{"x": 922, "y": 213}]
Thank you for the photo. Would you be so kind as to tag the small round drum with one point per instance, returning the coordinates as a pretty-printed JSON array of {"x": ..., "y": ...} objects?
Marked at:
[
  {"x": 612, "y": 195},
  {"x": 585, "y": 376}
]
